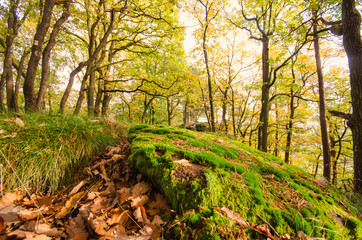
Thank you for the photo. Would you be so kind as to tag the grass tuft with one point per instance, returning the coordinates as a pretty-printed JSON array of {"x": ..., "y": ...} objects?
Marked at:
[{"x": 49, "y": 149}]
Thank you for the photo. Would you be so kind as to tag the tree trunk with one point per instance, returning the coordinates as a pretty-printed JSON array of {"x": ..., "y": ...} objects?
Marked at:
[
  {"x": 351, "y": 20},
  {"x": 41, "y": 31},
  {"x": 209, "y": 82},
  {"x": 18, "y": 80},
  {"x": 81, "y": 65},
  {"x": 233, "y": 111},
  {"x": 322, "y": 106},
  {"x": 78, "y": 106},
  {"x": 169, "y": 112},
  {"x": 276, "y": 148},
  {"x": 7, "y": 75},
  {"x": 264, "y": 113},
  {"x": 46, "y": 57}
]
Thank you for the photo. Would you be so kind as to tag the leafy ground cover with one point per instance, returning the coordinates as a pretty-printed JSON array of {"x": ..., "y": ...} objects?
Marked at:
[
  {"x": 223, "y": 189},
  {"x": 40, "y": 153},
  {"x": 108, "y": 199}
]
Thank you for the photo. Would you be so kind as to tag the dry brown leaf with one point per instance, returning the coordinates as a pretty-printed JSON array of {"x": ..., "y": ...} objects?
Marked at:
[
  {"x": 114, "y": 233},
  {"x": 123, "y": 197},
  {"x": 28, "y": 235},
  {"x": 78, "y": 187},
  {"x": 110, "y": 191},
  {"x": 47, "y": 230},
  {"x": 183, "y": 162},
  {"x": 19, "y": 122},
  {"x": 162, "y": 202},
  {"x": 146, "y": 231},
  {"x": 264, "y": 229},
  {"x": 12, "y": 197},
  {"x": 80, "y": 236},
  {"x": 119, "y": 217},
  {"x": 10, "y": 213},
  {"x": 140, "y": 188},
  {"x": 321, "y": 182},
  {"x": 117, "y": 157},
  {"x": 100, "y": 203},
  {"x": 27, "y": 215},
  {"x": 138, "y": 201},
  {"x": 2, "y": 131},
  {"x": 69, "y": 205},
  {"x": 100, "y": 226},
  {"x": 2, "y": 224},
  {"x": 157, "y": 220},
  {"x": 76, "y": 228},
  {"x": 235, "y": 216},
  {"x": 104, "y": 173},
  {"x": 138, "y": 214},
  {"x": 303, "y": 236}
]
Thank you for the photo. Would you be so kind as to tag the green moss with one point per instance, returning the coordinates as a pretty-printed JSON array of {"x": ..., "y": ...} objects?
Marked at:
[
  {"x": 240, "y": 186},
  {"x": 161, "y": 131},
  {"x": 355, "y": 227},
  {"x": 137, "y": 127}
]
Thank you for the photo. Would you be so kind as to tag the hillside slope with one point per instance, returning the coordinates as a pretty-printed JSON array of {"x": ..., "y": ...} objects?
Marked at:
[{"x": 211, "y": 179}]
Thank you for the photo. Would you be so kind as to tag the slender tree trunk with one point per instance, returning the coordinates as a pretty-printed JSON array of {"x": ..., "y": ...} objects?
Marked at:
[
  {"x": 46, "y": 57},
  {"x": 18, "y": 79},
  {"x": 209, "y": 82},
  {"x": 265, "y": 104},
  {"x": 351, "y": 20},
  {"x": 233, "y": 111},
  {"x": 322, "y": 107},
  {"x": 290, "y": 123},
  {"x": 7, "y": 75},
  {"x": 169, "y": 111},
  {"x": 276, "y": 148},
  {"x": 316, "y": 167},
  {"x": 83, "y": 85},
  {"x": 81, "y": 65},
  {"x": 36, "y": 50},
  {"x": 99, "y": 96}
]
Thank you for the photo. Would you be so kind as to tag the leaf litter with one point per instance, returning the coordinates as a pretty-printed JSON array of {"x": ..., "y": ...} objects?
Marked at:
[{"x": 108, "y": 200}]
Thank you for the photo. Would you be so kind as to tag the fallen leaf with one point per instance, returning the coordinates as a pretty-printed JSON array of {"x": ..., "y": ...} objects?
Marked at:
[
  {"x": 2, "y": 131},
  {"x": 2, "y": 224},
  {"x": 9, "y": 212},
  {"x": 146, "y": 231},
  {"x": 114, "y": 233},
  {"x": 117, "y": 157},
  {"x": 119, "y": 218},
  {"x": 100, "y": 226},
  {"x": 19, "y": 122},
  {"x": 140, "y": 188},
  {"x": 44, "y": 228},
  {"x": 69, "y": 205},
  {"x": 235, "y": 216},
  {"x": 27, "y": 215},
  {"x": 135, "y": 202},
  {"x": 78, "y": 187},
  {"x": 76, "y": 228},
  {"x": 157, "y": 220},
  {"x": 11, "y": 197},
  {"x": 100, "y": 203},
  {"x": 183, "y": 162},
  {"x": 123, "y": 197},
  {"x": 138, "y": 214}
]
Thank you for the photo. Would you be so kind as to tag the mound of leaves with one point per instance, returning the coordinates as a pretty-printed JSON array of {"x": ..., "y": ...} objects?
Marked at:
[
  {"x": 223, "y": 189},
  {"x": 107, "y": 200}
]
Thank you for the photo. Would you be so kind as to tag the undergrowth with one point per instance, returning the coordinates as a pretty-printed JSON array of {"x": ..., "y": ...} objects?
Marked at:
[{"x": 45, "y": 153}]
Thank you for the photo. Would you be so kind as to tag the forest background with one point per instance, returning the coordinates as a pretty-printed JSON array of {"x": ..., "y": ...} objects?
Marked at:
[{"x": 273, "y": 74}]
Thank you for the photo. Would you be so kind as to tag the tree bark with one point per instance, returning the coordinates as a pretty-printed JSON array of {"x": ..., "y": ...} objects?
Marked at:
[
  {"x": 7, "y": 75},
  {"x": 265, "y": 100},
  {"x": 41, "y": 31},
  {"x": 18, "y": 79},
  {"x": 81, "y": 65},
  {"x": 322, "y": 106},
  {"x": 46, "y": 57},
  {"x": 351, "y": 21}
]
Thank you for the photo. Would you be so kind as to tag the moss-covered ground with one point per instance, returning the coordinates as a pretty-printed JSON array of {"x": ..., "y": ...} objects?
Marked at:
[{"x": 198, "y": 171}]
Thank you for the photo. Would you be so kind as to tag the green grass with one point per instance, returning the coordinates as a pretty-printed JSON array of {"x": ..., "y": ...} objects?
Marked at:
[
  {"x": 49, "y": 149},
  {"x": 248, "y": 181}
]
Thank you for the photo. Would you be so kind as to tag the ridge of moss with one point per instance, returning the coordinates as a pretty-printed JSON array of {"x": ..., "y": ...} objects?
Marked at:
[{"x": 255, "y": 184}]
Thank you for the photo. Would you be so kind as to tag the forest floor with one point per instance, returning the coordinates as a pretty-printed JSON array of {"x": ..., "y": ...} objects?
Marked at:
[{"x": 108, "y": 199}]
